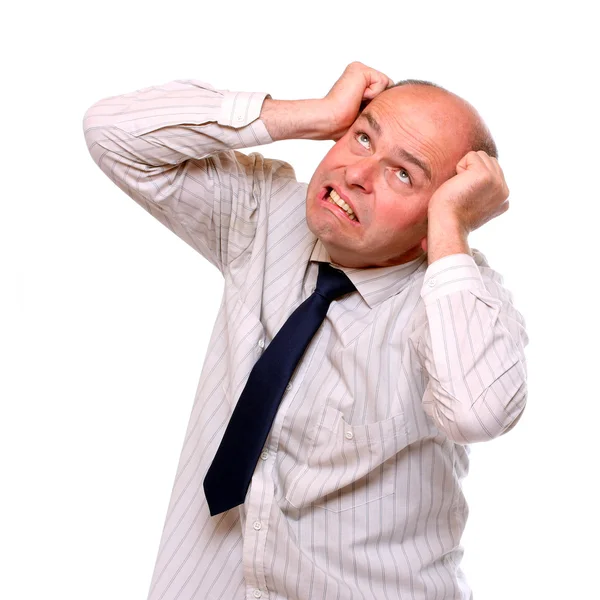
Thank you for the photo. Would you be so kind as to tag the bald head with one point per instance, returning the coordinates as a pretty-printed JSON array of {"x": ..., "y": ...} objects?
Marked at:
[
  {"x": 404, "y": 145},
  {"x": 480, "y": 136}
]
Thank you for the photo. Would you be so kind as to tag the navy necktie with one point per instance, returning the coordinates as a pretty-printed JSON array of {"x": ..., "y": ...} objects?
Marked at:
[{"x": 229, "y": 475}]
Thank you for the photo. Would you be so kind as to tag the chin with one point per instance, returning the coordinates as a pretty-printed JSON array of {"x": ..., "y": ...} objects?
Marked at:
[{"x": 341, "y": 255}]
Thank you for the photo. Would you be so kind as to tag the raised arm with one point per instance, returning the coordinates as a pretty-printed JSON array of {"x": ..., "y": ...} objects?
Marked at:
[
  {"x": 330, "y": 117},
  {"x": 172, "y": 148},
  {"x": 472, "y": 344},
  {"x": 471, "y": 347}
]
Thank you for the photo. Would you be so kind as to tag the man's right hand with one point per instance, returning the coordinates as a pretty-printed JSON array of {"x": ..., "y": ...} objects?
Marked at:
[
  {"x": 358, "y": 84},
  {"x": 327, "y": 118}
]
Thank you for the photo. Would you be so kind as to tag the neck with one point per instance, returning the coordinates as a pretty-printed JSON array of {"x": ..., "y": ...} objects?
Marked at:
[{"x": 357, "y": 261}]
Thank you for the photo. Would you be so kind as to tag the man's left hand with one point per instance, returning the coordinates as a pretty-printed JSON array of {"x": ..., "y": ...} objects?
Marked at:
[{"x": 475, "y": 195}]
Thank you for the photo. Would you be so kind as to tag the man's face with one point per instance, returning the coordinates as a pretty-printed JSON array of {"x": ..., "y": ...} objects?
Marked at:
[{"x": 401, "y": 148}]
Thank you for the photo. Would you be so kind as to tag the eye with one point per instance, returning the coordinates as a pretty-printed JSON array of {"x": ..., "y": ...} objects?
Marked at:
[
  {"x": 363, "y": 139},
  {"x": 403, "y": 176}
]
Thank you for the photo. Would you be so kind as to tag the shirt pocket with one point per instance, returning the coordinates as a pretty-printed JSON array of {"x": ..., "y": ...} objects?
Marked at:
[{"x": 349, "y": 465}]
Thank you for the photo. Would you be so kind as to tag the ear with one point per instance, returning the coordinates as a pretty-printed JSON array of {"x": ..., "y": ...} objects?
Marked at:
[{"x": 424, "y": 244}]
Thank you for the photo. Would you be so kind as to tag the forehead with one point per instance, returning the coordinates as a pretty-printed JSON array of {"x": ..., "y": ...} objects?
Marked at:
[
  {"x": 427, "y": 119},
  {"x": 423, "y": 103}
]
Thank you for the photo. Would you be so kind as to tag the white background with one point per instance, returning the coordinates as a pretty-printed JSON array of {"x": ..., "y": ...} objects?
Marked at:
[{"x": 105, "y": 315}]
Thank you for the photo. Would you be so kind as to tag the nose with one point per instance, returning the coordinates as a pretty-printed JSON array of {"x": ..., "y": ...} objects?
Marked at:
[{"x": 360, "y": 174}]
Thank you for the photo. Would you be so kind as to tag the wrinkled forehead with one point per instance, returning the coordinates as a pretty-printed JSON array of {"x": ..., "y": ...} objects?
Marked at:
[
  {"x": 430, "y": 117},
  {"x": 429, "y": 108}
]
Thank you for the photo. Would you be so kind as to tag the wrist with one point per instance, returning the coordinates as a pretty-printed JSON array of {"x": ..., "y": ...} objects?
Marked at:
[
  {"x": 297, "y": 119},
  {"x": 446, "y": 235}
]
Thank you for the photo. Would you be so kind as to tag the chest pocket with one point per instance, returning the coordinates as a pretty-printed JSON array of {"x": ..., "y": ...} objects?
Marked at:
[{"x": 348, "y": 465}]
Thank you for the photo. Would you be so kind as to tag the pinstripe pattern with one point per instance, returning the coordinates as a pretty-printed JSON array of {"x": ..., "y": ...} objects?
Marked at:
[{"x": 358, "y": 492}]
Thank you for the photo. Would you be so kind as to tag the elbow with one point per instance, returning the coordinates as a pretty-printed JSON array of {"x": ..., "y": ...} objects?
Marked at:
[
  {"x": 493, "y": 413},
  {"x": 101, "y": 129},
  {"x": 88, "y": 118},
  {"x": 93, "y": 129}
]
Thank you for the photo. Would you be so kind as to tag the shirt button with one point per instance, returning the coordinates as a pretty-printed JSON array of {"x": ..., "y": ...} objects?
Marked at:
[
  {"x": 239, "y": 118},
  {"x": 261, "y": 344},
  {"x": 288, "y": 387},
  {"x": 264, "y": 455},
  {"x": 257, "y": 524},
  {"x": 349, "y": 436},
  {"x": 431, "y": 282},
  {"x": 257, "y": 593}
]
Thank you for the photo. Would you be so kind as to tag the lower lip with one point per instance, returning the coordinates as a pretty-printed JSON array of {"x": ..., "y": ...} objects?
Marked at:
[{"x": 334, "y": 208}]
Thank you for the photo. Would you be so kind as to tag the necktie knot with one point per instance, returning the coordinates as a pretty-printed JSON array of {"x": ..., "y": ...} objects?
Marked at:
[{"x": 332, "y": 283}]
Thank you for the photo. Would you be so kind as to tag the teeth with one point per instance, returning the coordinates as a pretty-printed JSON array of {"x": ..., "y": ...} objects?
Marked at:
[{"x": 335, "y": 198}]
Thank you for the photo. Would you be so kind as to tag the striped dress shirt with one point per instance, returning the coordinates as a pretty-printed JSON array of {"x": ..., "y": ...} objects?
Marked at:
[{"x": 357, "y": 493}]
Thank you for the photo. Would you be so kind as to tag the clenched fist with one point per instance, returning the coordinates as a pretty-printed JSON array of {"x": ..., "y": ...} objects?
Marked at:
[
  {"x": 357, "y": 85},
  {"x": 326, "y": 118},
  {"x": 475, "y": 195}
]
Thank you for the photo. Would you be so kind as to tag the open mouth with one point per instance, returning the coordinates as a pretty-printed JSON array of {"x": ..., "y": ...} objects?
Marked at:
[{"x": 332, "y": 196}]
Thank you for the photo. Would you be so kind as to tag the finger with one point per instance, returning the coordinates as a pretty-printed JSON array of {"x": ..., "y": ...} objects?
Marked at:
[
  {"x": 495, "y": 165},
  {"x": 377, "y": 84},
  {"x": 487, "y": 160},
  {"x": 468, "y": 161},
  {"x": 502, "y": 208},
  {"x": 495, "y": 168},
  {"x": 498, "y": 167}
]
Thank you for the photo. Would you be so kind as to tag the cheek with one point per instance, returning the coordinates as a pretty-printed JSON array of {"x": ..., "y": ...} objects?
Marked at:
[
  {"x": 396, "y": 219},
  {"x": 330, "y": 162},
  {"x": 323, "y": 170}
]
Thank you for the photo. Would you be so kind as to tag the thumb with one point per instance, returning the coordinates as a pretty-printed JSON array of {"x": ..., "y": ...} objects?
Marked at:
[
  {"x": 377, "y": 85},
  {"x": 467, "y": 161}
]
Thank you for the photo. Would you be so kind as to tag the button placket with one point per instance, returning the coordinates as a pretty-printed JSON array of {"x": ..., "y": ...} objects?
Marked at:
[{"x": 259, "y": 500}]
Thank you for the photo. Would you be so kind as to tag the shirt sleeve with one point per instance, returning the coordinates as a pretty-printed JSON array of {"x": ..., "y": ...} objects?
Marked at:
[
  {"x": 472, "y": 349},
  {"x": 172, "y": 148}
]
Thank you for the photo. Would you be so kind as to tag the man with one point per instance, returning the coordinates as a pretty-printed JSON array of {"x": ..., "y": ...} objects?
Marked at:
[{"x": 356, "y": 493}]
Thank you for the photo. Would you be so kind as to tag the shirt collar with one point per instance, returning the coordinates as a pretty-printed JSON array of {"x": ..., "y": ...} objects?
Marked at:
[{"x": 375, "y": 284}]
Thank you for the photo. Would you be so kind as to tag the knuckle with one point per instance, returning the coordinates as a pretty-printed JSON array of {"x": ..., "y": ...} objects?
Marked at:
[{"x": 488, "y": 178}]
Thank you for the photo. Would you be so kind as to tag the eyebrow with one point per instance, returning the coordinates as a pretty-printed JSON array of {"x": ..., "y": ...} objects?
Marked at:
[{"x": 400, "y": 152}]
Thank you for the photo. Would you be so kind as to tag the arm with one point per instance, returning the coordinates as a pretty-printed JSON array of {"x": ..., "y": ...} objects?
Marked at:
[
  {"x": 158, "y": 144},
  {"x": 472, "y": 345},
  {"x": 472, "y": 349},
  {"x": 328, "y": 118},
  {"x": 172, "y": 148}
]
